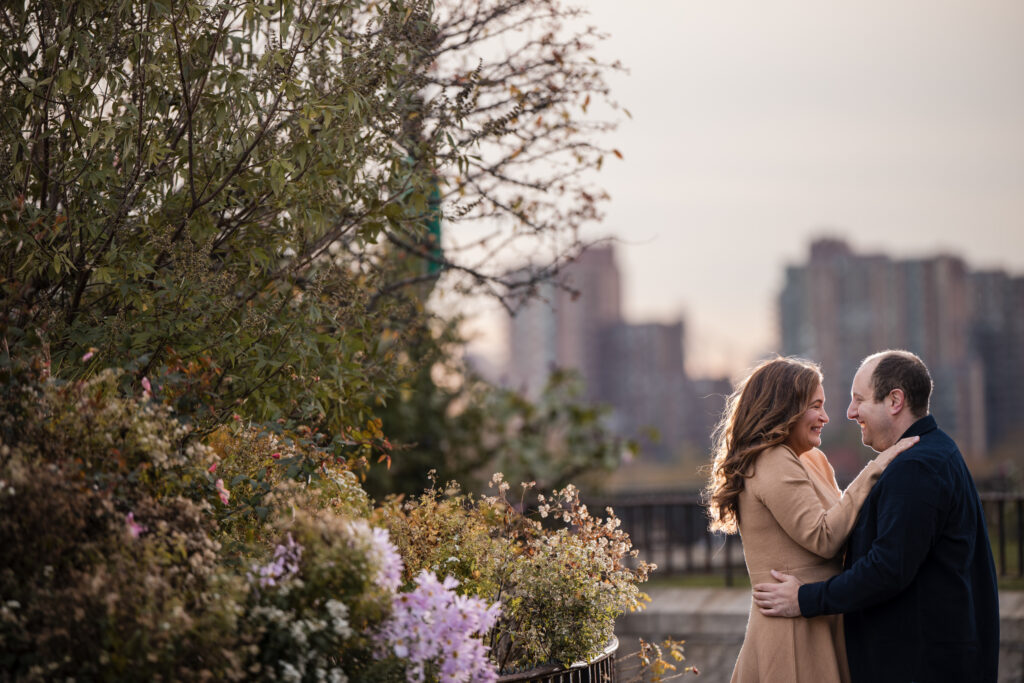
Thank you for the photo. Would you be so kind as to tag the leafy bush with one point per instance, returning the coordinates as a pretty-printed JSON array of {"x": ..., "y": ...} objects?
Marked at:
[
  {"x": 560, "y": 586},
  {"x": 316, "y": 601},
  {"x": 133, "y": 550},
  {"x": 110, "y": 566},
  {"x": 126, "y": 555},
  {"x": 174, "y": 178},
  {"x": 259, "y": 465}
]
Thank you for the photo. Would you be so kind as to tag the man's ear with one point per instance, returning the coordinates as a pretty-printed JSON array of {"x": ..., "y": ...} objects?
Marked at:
[{"x": 895, "y": 401}]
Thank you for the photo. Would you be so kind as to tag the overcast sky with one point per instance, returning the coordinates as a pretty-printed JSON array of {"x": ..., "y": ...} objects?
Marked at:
[{"x": 758, "y": 126}]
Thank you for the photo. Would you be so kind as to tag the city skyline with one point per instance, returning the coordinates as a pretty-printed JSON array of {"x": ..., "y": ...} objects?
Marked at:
[
  {"x": 488, "y": 328},
  {"x": 837, "y": 307}
]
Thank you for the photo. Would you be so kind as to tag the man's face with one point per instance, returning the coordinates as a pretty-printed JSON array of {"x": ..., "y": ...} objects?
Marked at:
[{"x": 875, "y": 422}]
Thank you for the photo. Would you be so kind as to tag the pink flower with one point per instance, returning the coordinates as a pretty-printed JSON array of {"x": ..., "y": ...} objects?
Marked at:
[
  {"x": 147, "y": 388},
  {"x": 212, "y": 468},
  {"x": 275, "y": 456},
  {"x": 88, "y": 354},
  {"x": 222, "y": 492},
  {"x": 134, "y": 528}
]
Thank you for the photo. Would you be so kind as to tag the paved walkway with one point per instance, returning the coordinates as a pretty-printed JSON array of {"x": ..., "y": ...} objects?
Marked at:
[{"x": 712, "y": 622}]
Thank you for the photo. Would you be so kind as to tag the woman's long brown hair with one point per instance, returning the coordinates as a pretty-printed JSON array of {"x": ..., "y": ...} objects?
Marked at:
[{"x": 757, "y": 416}]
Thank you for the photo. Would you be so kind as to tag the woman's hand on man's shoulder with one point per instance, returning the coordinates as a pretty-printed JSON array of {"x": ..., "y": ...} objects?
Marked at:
[{"x": 890, "y": 453}]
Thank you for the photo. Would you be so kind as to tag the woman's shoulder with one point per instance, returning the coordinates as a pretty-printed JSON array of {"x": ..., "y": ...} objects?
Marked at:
[
  {"x": 816, "y": 456},
  {"x": 783, "y": 457},
  {"x": 816, "y": 461},
  {"x": 774, "y": 457},
  {"x": 781, "y": 452}
]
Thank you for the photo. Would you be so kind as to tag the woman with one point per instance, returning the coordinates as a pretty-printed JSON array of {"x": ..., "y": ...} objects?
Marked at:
[{"x": 770, "y": 482}]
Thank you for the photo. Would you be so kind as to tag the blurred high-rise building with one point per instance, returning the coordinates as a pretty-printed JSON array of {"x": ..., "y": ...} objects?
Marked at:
[
  {"x": 562, "y": 326},
  {"x": 589, "y": 307},
  {"x": 641, "y": 375},
  {"x": 533, "y": 342},
  {"x": 841, "y": 306},
  {"x": 997, "y": 334},
  {"x": 635, "y": 369}
]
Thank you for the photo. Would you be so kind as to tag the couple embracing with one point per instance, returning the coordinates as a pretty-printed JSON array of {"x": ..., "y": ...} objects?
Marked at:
[{"x": 889, "y": 580}]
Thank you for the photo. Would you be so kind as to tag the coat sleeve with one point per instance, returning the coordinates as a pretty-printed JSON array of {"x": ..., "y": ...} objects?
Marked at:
[
  {"x": 783, "y": 485},
  {"x": 909, "y": 515}
]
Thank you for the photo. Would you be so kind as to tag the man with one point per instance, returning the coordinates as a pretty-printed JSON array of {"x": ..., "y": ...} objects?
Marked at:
[{"x": 918, "y": 590}]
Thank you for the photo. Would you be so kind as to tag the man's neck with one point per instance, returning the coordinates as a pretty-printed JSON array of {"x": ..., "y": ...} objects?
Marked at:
[
  {"x": 900, "y": 424},
  {"x": 897, "y": 427}
]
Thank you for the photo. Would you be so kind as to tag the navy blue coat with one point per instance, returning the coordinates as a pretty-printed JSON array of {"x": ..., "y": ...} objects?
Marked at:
[{"x": 918, "y": 589}]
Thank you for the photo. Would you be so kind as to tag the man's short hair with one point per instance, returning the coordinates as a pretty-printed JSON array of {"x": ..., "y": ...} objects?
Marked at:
[{"x": 899, "y": 369}]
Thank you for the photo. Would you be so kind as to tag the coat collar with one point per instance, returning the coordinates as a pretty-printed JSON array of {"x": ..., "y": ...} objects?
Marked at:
[{"x": 923, "y": 426}]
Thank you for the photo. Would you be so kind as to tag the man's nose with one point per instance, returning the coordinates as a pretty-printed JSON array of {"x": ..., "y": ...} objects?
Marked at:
[{"x": 851, "y": 411}]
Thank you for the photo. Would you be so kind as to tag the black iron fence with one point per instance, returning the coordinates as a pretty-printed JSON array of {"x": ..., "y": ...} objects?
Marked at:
[
  {"x": 1004, "y": 513},
  {"x": 600, "y": 669},
  {"x": 671, "y": 531}
]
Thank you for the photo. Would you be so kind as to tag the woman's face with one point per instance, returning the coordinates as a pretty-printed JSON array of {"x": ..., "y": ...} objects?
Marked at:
[{"x": 806, "y": 433}]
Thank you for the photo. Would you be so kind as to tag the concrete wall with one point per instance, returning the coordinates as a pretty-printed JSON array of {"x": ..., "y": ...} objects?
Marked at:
[{"x": 712, "y": 621}]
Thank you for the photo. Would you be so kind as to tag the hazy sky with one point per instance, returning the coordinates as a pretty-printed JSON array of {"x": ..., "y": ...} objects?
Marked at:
[{"x": 757, "y": 126}]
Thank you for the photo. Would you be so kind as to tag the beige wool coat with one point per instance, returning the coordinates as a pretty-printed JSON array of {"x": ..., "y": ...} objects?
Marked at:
[{"x": 793, "y": 518}]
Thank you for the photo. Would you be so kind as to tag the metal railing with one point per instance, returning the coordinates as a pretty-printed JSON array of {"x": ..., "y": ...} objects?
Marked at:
[
  {"x": 600, "y": 669},
  {"x": 670, "y": 530},
  {"x": 1004, "y": 513}
]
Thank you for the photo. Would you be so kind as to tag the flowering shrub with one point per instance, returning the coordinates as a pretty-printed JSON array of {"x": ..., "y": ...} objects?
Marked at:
[
  {"x": 109, "y": 567},
  {"x": 448, "y": 533},
  {"x": 133, "y": 550},
  {"x": 560, "y": 587},
  {"x": 316, "y": 599},
  {"x": 327, "y": 606},
  {"x": 383, "y": 557}
]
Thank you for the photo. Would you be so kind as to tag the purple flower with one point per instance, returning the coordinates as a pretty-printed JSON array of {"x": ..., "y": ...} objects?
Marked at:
[
  {"x": 284, "y": 564},
  {"x": 381, "y": 553},
  {"x": 387, "y": 560},
  {"x": 433, "y": 626}
]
